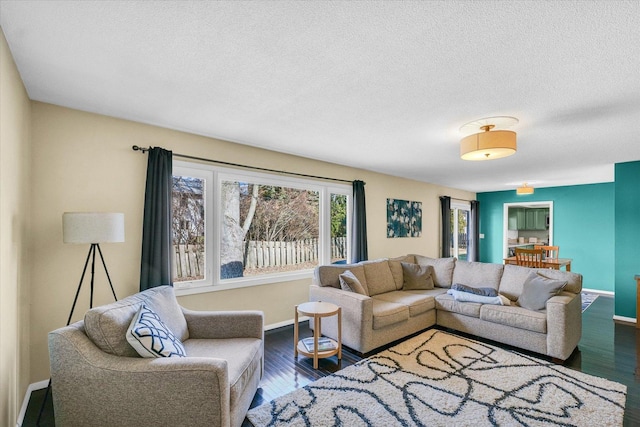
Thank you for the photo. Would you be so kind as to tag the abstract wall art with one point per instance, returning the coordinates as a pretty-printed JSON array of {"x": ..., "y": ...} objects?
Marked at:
[{"x": 404, "y": 218}]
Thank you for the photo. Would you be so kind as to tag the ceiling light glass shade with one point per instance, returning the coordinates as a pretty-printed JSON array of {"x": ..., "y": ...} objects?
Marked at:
[
  {"x": 524, "y": 190},
  {"x": 488, "y": 145},
  {"x": 92, "y": 227}
]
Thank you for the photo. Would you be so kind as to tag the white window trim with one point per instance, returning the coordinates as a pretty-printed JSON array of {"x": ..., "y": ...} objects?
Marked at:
[{"x": 214, "y": 176}]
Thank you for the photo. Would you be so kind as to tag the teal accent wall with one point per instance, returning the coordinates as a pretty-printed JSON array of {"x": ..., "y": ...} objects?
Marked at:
[
  {"x": 583, "y": 227},
  {"x": 627, "y": 236}
]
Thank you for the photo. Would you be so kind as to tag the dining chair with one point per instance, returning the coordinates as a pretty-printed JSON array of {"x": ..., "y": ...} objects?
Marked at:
[
  {"x": 549, "y": 251},
  {"x": 529, "y": 257}
]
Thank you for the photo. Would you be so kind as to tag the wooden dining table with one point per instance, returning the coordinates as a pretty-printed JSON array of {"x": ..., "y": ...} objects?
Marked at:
[{"x": 555, "y": 263}]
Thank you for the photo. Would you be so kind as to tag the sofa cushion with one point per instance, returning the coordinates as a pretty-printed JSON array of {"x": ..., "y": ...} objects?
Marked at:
[
  {"x": 516, "y": 317},
  {"x": 349, "y": 282},
  {"x": 396, "y": 268},
  {"x": 379, "y": 277},
  {"x": 417, "y": 276},
  {"x": 478, "y": 274},
  {"x": 164, "y": 303},
  {"x": 243, "y": 356},
  {"x": 150, "y": 337},
  {"x": 537, "y": 290},
  {"x": 446, "y": 302},
  {"x": 107, "y": 325},
  {"x": 442, "y": 269},
  {"x": 329, "y": 275},
  {"x": 417, "y": 303},
  {"x": 387, "y": 313},
  {"x": 514, "y": 276}
]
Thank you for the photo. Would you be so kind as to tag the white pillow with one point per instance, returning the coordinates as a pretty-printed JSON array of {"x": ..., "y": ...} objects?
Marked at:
[{"x": 150, "y": 337}]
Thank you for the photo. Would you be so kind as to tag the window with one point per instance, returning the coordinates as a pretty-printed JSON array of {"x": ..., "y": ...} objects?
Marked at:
[
  {"x": 459, "y": 229},
  {"x": 234, "y": 228}
]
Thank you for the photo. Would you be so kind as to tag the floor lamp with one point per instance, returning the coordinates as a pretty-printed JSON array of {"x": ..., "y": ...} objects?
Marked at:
[{"x": 89, "y": 228}]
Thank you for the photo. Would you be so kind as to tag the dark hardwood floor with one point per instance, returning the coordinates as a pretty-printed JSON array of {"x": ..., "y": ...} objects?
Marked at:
[{"x": 607, "y": 349}]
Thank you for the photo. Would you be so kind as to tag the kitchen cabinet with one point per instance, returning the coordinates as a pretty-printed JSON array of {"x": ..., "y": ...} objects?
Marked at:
[
  {"x": 517, "y": 219},
  {"x": 536, "y": 219},
  {"x": 527, "y": 219}
]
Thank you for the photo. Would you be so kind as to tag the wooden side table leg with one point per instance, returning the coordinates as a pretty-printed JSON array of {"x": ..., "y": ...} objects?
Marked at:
[
  {"x": 316, "y": 336},
  {"x": 339, "y": 333},
  {"x": 295, "y": 333}
]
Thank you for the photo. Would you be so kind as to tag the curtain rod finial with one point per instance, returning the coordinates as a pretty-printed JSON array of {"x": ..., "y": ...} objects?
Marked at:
[{"x": 137, "y": 148}]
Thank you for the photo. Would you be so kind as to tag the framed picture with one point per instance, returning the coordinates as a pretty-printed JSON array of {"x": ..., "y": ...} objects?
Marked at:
[{"x": 404, "y": 218}]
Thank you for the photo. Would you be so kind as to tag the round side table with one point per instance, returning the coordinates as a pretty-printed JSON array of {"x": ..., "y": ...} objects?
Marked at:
[{"x": 317, "y": 310}]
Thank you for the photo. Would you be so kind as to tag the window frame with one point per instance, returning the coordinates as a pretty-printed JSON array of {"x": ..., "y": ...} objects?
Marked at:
[
  {"x": 456, "y": 206},
  {"x": 214, "y": 176}
]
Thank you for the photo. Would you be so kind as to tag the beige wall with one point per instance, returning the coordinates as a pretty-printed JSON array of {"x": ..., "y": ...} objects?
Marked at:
[
  {"x": 15, "y": 125},
  {"x": 84, "y": 162}
]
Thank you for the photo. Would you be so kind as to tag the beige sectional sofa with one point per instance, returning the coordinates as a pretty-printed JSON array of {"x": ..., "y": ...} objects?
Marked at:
[{"x": 388, "y": 311}]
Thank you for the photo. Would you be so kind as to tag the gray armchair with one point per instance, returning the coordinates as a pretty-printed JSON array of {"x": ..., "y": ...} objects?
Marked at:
[{"x": 98, "y": 379}]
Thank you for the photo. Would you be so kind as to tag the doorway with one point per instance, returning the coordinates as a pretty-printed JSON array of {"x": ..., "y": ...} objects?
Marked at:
[
  {"x": 538, "y": 217},
  {"x": 459, "y": 229}
]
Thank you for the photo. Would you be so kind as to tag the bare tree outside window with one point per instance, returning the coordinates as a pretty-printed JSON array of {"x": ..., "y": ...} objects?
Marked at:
[
  {"x": 267, "y": 229},
  {"x": 188, "y": 229},
  {"x": 263, "y": 229}
]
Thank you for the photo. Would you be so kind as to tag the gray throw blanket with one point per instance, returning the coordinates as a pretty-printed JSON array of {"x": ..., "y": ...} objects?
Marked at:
[{"x": 485, "y": 292}]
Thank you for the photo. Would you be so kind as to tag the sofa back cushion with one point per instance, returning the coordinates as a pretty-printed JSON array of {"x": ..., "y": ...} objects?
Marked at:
[
  {"x": 442, "y": 269},
  {"x": 417, "y": 277},
  {"x": 107, "y": 325},
  {"x": 478, "y": 274},
  {"x": 329, "y": 275},
  {"x": 379, "y": 277},
  {"x": 514, "y": 277},
  {"x": 396, "y": 268}
]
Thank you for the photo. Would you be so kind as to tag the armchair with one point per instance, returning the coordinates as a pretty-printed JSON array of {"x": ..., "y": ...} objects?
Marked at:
[{"x": 97, "y": 379}]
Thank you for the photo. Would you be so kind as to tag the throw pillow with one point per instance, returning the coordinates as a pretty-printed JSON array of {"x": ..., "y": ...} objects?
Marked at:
[
  {"x": 442, "y": 269},
  {"x": 349, "y": 282},
  {"x": 537, "y": 290},
  {"x": 485, "y": 291},
  {"x": 150, "y": 337},
  {"x": 416, "y": 276}
]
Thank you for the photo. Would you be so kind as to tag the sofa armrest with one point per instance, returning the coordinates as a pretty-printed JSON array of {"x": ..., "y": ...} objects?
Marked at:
[
  {"x": 564, "y": 324},
  {"x": 357, "y": 315},
  {"x": 224, "y": 324},
  {"x": 91, "y": 387}
]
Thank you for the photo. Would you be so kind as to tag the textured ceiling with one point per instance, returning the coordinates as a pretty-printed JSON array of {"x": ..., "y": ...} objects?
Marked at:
[{"x": 383, "y": 86}]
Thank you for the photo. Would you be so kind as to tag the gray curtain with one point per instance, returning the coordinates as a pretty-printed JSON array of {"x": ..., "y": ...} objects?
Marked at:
[
  {"x": 155, "y": 269},
  {"x": 445, "y": 209},
  {"x": 359, "y": 220},
  {"x": 473, "y": 249}
]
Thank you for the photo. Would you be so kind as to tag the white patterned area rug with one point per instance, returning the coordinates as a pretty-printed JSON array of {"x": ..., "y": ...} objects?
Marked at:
[{"x": 440, "y": 379}]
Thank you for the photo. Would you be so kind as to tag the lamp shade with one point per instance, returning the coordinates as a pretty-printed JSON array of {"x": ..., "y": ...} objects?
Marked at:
[
  {"x": 524, "y": 190},
  {"x": 488, "y": 145},
  {"x": 92, "y": 227}
]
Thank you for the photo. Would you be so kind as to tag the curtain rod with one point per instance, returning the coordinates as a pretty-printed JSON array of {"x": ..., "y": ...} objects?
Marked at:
[{"x": 202, "y": 159}]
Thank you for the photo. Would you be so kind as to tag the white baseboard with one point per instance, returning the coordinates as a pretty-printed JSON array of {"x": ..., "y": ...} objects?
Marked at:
[
  {"x": 25, "y": 402},
  {"x": 599, "y": 292},
  {"x": 625, "y": 319},
  {"x": 284, "y": 323}
]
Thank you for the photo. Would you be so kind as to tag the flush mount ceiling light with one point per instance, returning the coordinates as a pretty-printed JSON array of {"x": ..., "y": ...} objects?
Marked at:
[
  {"x": 524, "y": 190},
  {"x": 488, "y": 144}
]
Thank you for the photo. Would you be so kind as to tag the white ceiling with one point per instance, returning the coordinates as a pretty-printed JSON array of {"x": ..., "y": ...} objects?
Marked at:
[{"x": 383, "y": 86}]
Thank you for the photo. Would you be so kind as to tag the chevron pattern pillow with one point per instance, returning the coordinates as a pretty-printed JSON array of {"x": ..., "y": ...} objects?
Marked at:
[{"x": 150, "y": 337}]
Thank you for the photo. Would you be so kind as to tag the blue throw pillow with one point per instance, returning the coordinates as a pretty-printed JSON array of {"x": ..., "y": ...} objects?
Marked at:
[{"x": 150, "y": 337}]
